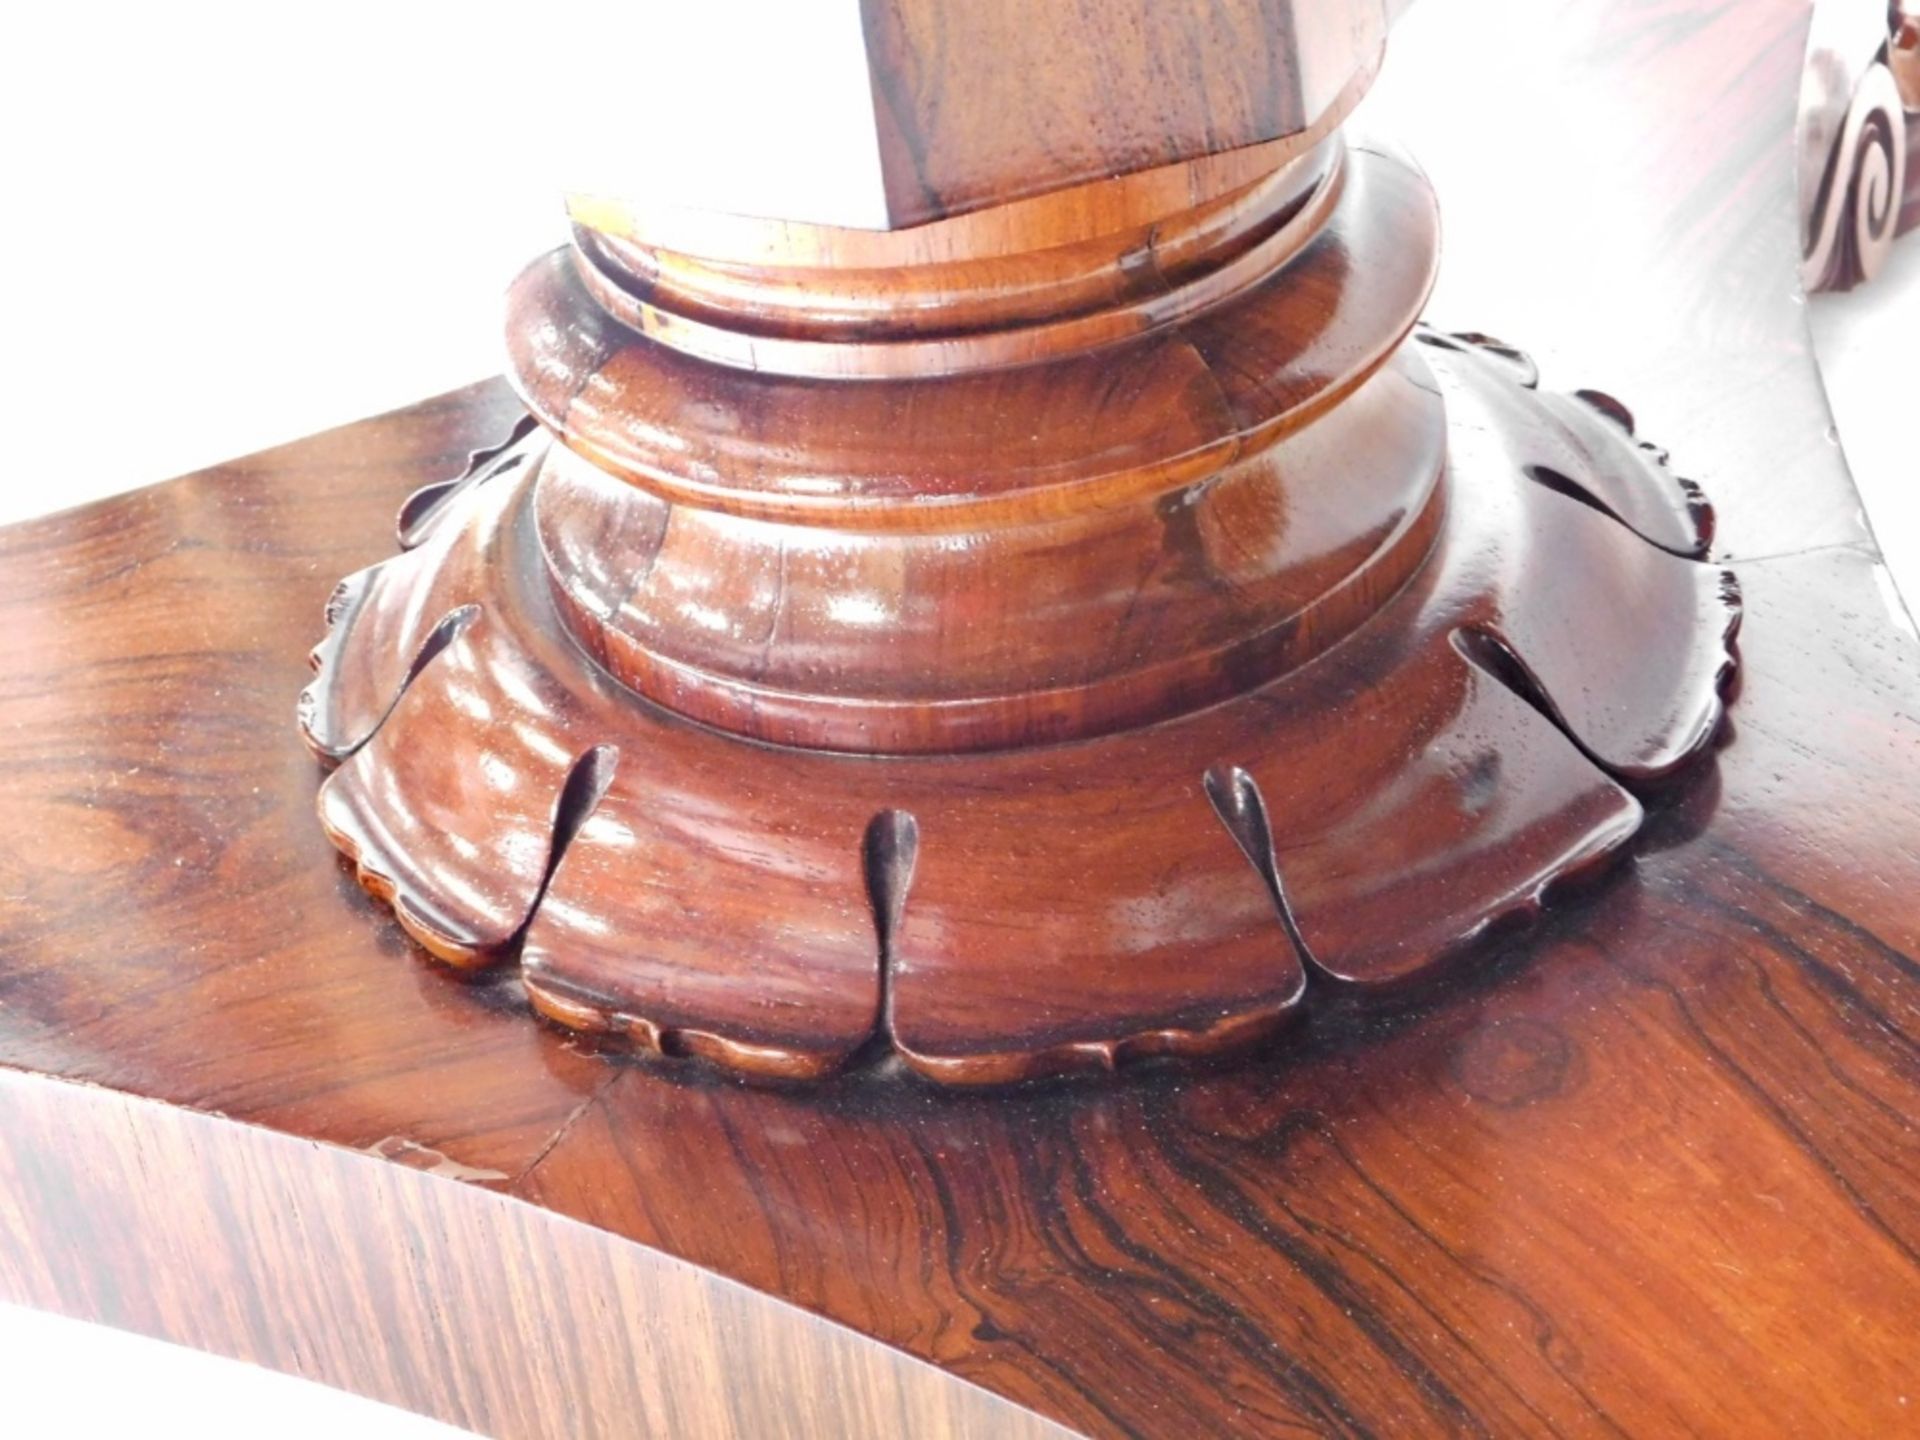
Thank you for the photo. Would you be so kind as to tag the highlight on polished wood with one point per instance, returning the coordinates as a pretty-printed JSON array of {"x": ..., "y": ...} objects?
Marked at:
[
  {"x": 1121, "y": 565},
  {"x": 1644, "y": 1165},
  {"x": 1049, "y": 907}
]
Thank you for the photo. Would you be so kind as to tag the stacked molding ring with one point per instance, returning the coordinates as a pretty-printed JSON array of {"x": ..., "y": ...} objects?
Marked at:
[{"x": 1167, "y": 889}]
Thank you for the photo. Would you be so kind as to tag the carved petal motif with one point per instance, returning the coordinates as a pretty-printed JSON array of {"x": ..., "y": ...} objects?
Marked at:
[
  {"x": 990, "y": 917},
  {"x": 700, "y": 911}
]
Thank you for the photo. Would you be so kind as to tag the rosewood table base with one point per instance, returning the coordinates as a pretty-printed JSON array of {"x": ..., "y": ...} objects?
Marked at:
[
  {"x": 1545, "y": 632},
  {"x": 1649, "y": 1168}
]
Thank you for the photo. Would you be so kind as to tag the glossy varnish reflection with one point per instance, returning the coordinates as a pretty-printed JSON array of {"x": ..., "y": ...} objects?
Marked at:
[
  {"x": 1652, "y": 1170},
  {"x": 1001, "y": 601},
  {"x": 942, "y": 543}
]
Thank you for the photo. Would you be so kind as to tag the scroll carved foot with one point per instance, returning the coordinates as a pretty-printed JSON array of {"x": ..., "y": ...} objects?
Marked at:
[{"x": 1859, "y": 122}]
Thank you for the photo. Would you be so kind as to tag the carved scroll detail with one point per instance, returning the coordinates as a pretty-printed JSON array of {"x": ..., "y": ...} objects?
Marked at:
[{"x": 1856, "y": 211}]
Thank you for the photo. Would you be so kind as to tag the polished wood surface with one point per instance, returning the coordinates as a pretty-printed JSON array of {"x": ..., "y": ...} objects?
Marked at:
[
  {"x": 1094, "y": 540},
  {"x": 998, "y": 545},
  {"x": 1651, "y": 1169},
  {"x": 381, "y": 1288},
  {"x": 1159, "y": 890},
  {"x": 715, "y": 241},
  {"x": 983, "y": 103},
  {"x": 891, "y": 114},
  {"x": 992, "y": 523},
  {"x": 1066, "y": 295}
]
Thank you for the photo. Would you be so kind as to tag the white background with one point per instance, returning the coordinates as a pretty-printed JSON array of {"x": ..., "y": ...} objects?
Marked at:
[{"x": 233, "y": 225}]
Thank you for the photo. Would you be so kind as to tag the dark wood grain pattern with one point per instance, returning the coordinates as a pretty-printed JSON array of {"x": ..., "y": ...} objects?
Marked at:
[
  {"x": 976, "y": 104},
  {"x": 236, "y": 1215},
  {"x": 1651, "y": 1169},
  {"x": 919, "y": 114}
]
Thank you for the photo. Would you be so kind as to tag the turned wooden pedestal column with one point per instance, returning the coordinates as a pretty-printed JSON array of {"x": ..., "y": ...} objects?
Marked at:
[
  {"x": 1055, "y": 631},
  {"x": 1646, "y": 1165}
]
